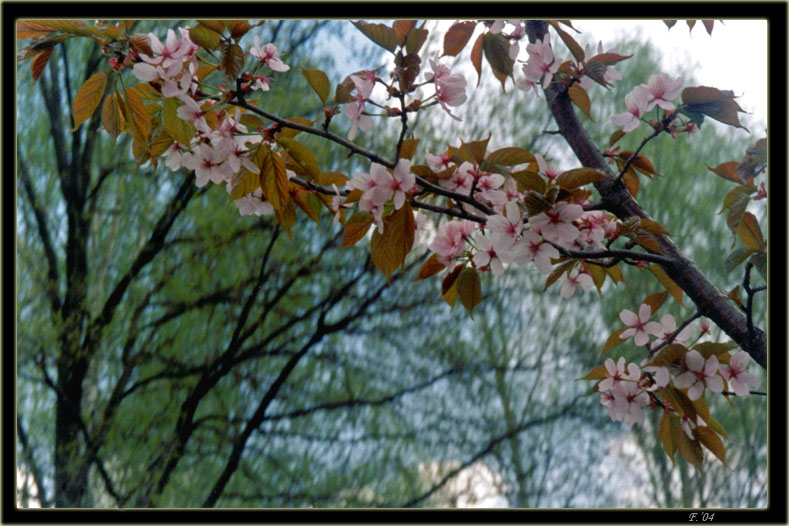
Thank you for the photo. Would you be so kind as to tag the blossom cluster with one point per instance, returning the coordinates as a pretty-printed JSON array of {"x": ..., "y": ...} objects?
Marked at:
[
  {"x": 628, "y": 388},
  {"x": 659, "y": 91},
  {"x": 216, "y": 153}
]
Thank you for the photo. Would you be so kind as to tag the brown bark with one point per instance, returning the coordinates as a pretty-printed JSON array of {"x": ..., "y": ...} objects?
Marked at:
[{"x": 615, "y": 198}]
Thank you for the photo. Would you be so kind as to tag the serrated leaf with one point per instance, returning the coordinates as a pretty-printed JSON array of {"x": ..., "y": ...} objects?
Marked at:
[
  {"x": 760, "y": 262},
  {"x": 204, "y": 37},
  {"x": 415, "y": 40},
  {"x": 308, "y": 202},
  {"x": 655, "y": 301},
  {"x": 707, "y": 349},
  {"x": 39, "y": 62},
  {"x": 302, "y": 155},
  {"x": 381, "y": 34},
  {"x": 246, "y": 182},
  {"x": 595, "y": 70},
  {"x": 669, "y": 354},
  {"x": 727, "y": 171},
  {"x": 736, "y": 258},
  {"x": 714, "y": 103},
  {"x": 286, "y": 216},
  {"x": 319, "y": 82},
  {"x": 528, "y": 180},
  {"x": 712, "y": 442},
  {"x": 575, "y": 48},
  {"x": 179, "y": 129},
  {"x": 598, "y": 373},
  {"x": 429, "y": 268},
  {"x": 572, "y": 179},
  {"x": 232, "y": 60},
  {"x": 88, "y": 98},
  {"x": 476, "y": 57},
  {"x": 138, "y": 117},
  {"x": 457, "y": 36},
  {"x": 401, "y": 29},
  {"x": 615, "y": 273},
  {"x": 409, "y": 148},
  {"x": 238, "y": 28},
  {"x": 648, "y": 242},
  {"x": 112, "y": 117},
  {"x": 356, "y": 228},
  {"x": 613, "y": 341},
  {"x": 632, "y": 183},
  {"x": 388, "y": 250},
  {"x": 598, "y": 274},
  {"x": 557, "y": 272},
  {"x": 750, "y": 233},
  {"x": 580, "y": 98},
  {"x": 690, "y": 450},
  {"x": 510, "y": 156},
  {"x": 469, "y": 289},
  {"x": 653, "y": 227},
  {"x": 496, "y": 49},
  {"x": 667, "y": 282},
  {"x": 474, "y": 150},
  {"x": 218, "y": 26},
  {"x": 666, "y": 434},
  {"x": 274, "y": 179},
  {"x": 618, "y": 134}
]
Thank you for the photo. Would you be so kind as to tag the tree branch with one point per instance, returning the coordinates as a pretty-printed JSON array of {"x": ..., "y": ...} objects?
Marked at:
[{"x": 684, "y": 272}]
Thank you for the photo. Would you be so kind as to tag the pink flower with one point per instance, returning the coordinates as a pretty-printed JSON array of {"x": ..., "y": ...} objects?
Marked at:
[
  {"x": 615, "y": 374},
  {"x": 736, "y": 375},
  {"x": 254, "y": 204},
  {"x": 669, "y": 325},
  {"x": 493, "y": 252},
  {"x": 540, "y": 64},
  {"x": 209, "y": 165},
  {"x": 639, "y": 326},
  {"x": 700, "y": 374},
  {"x": 532, "y": 247},
  {"x": 269, "y": 55},
  {"x": 438, "y": 162},
  {"x": 636, "y": 103},
  {"x": 394, "y": 185},
  {"x": 487, "y": 186},
  {"x": 573, "y": 280},
  {"x": 661, "y": 90},
  {"x": 556, "y": 224},
  {"x": 629, "y": 400},
  {"x": 450, "y": 242},
  {"x": 547, "y": 171},
  {"x": 358, "y": 120},
  {"x": 461, "y": 180},
  {"x": 510, "y": 224}
]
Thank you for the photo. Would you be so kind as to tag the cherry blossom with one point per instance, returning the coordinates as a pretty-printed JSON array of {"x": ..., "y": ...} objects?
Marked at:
[
  {"x": 358, "y": 120},
  {"x": 700, "y": 374},
  {"x": 639, "y": 325},
  {"x": 508, "y": 224},
  {"x": 254, "y": 204},
  {"x": 636, "y": 103},
  {"x": 669, "y": 326},
  {"x": 735, "y": 373},
  {"x": 487, "y": 187},
  {"x": 450, "y": 242},
  {"x": 269, "y": 55},
  {"x": 615, "y": 374},
  {"x": 547, "y": 171},
  {"x": 461, "y": 181},
  {"x": 209, "y": 165},
  {"x": 392, "y": 185},
  {"x": 532, "y": 247},
  {"x": 661, "y": 90},
  {"x": 574, "y": 279},
  {"x": 660, "y": 377},
  {"x": 493, "y": 252},
  {"x": 541, "y": 64},
  {"x": 439, "y": 162},
  {"x": 629, "y": 400},
  {"x": 556, "y": 224}
]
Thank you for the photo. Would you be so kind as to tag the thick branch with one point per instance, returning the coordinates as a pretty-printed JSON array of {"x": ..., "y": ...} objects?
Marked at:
[{"x": 615, "y": 197}]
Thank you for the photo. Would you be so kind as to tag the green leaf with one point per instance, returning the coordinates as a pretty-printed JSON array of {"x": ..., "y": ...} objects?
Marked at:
[
  {"x": 750, "y": 233},
  {"x": 469, "y": 289},
  {"x": 711, "y": 441},
  {"x": 319, "y": 82},
  {"x": 112, "y": 116},
  {"x": 415, "y": 39},
  {"x": 598, "y": 373},
  {"x": 667, "y": 282},
  {"x": 204, "y": 37},
  {"x": 88, "y": 98},
  {"x": 714, "y": 103},
  {"x": 569, "y": 41},
  {"x": 356, "y": 228},
  {"x": 388, "y": 250},
  {"x": 613, "y": 340},
  {"x": 274, "y": 179},
  {"x": 760, "y": 262},
  {"x": 528, "y": 180},
  {"x": 302, "y": 155},
  {"x": 497, "y": 52},
  {"x": 666, "y": 433},
  {"x": 179, "y": 129},
  {"x": 572, "y": 179},
  {"x": 581, "y": 99},
  {"x": 401, "y": 30},
  {"x": 381, "y": 34},
  {"x": 510, "y": 156},
  {"x": 668, "y": 354},
  {"x": 655, "y": 301},
  {"x": 218, "y": 26},
  {"x": 736, "y": 258}
]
